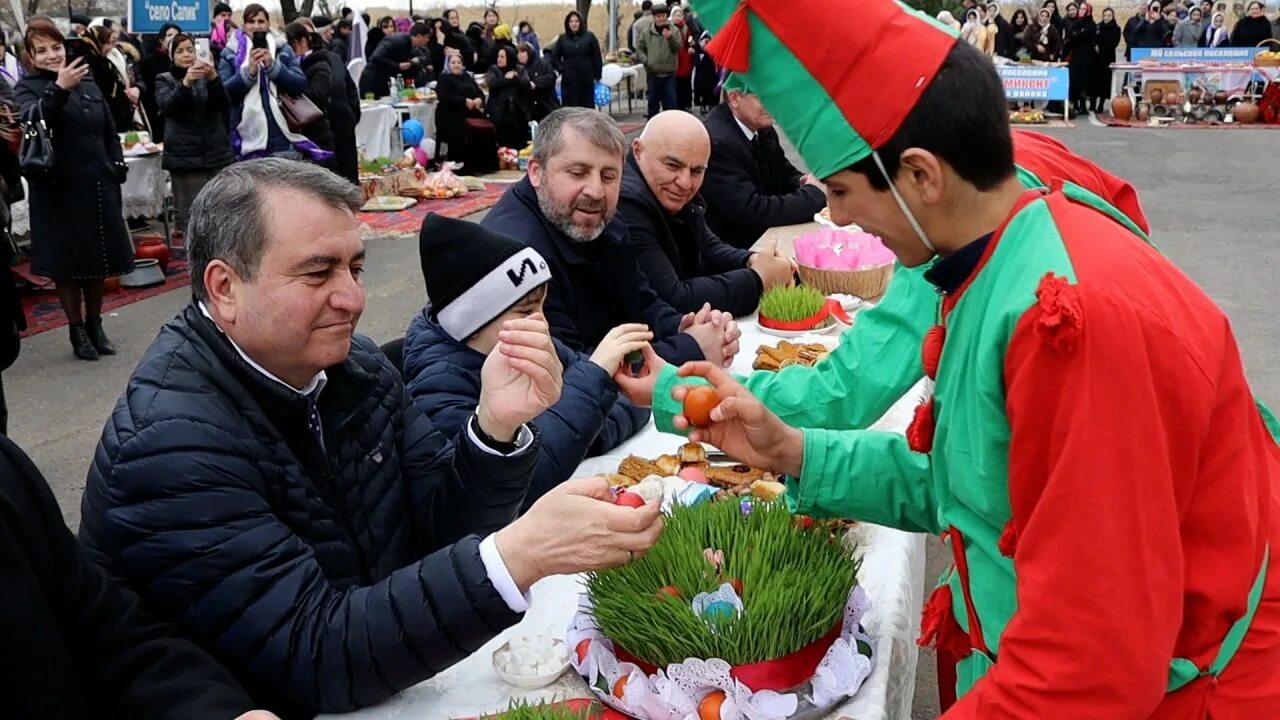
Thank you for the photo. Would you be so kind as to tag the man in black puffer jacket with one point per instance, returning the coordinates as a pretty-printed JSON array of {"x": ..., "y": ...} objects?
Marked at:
[{"x": 265, "y": 483}]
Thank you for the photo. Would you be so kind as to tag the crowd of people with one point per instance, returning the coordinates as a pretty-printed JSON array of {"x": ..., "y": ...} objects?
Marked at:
[{"x": 1090, "y": 45}]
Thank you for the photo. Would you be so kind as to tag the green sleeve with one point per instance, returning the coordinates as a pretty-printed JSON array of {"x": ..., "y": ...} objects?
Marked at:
[
  {"x": 866, "y": 475},
  {"x": 876, "y": 363}
]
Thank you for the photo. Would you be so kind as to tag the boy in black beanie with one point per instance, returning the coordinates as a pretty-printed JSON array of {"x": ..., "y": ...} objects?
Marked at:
[{"x": 476, "y": 280}]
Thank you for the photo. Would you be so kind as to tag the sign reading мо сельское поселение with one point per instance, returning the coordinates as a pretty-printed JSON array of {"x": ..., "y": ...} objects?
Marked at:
[{"x": 147, "y": 16}]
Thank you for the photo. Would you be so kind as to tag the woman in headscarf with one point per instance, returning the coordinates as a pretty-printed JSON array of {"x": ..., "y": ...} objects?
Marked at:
[
  {"x": 1017, "y": 31},
  {"x": 1251, "y": 29},
  {"x": 1108, "y": 41},
  {"x": 1152, "y": 30},
  {"x": 115, "y": 86},
  {"x": 1080, "y": 44},
  {"x": 1055, "y": 18},
  {"x": 194, "y": 103},
  {"x": 577, "y": 56},
  {"x": 525, "y": 34},
  {"x": 1042, "y": 39},
  {"x": 1073, "y": 12},
  {"x": 386, "y": 28},
  {"x": 972, "y": 32},
  {"x": 456, "y": 39},
  {"x": 462, "y": 129},
  {"x": 309, "y": 49},
  {"x": 1000, "y": 32},
  {"x": 508, "y": 105},
  {"x": 1187, "y": 33},
  {"x": 542, "y": 77},
  {"x": 684, "y": 60},
  {"x": 706, "y": 76},
  {"x": 1216, "y": 35}
]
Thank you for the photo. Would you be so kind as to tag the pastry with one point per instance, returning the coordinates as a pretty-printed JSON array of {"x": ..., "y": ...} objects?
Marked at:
[
  {"x": 668, "y": 464},
  {"x": 691, "y": 453},
  {"x": 637, "y": 468},
  {"x": 767, "y": 489},
  {"x": 731, "y": 476},
  {"x": 617, "y": 480},
  {"x": 786, "y": 354}
]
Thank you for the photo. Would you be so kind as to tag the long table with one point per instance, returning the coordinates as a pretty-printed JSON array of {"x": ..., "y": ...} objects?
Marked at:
[
  {"x": 378, "y": 132},
  {"x": 892, "y": 572}
]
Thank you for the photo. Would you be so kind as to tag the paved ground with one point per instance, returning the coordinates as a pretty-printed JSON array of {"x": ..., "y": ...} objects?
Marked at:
[{"x": 1210, "y": 195}]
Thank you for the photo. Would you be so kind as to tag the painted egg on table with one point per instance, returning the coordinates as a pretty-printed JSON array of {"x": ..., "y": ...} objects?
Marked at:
[
  {"x": 619, "y": 686},
  {"x": 693, "y": 474},
  {"x": 719, "y": 610},
  {"x": 709, "y": 708},
  {"x": 669, "y": 591},
  {"x": 581, "y": 649}
]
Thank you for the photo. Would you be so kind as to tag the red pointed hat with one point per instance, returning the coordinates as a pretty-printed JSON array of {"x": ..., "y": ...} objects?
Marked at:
[{"x": 839, "y": 76}]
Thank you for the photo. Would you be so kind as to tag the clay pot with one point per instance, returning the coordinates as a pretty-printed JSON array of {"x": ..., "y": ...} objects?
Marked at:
[
  {"x": 111, "y": 284},
  {"x": 1173, "y": 98},
  {"x": 1245, "y": 112},
  {"x": 1144, "y": 111},
  {"x": 1155, "y": 95},
  {"x": 153, "y": 249},
  {"x": 1195, "y": 95},
  {"x": 1122, "y": 107},
  {"x": 1220, "y": 97}
]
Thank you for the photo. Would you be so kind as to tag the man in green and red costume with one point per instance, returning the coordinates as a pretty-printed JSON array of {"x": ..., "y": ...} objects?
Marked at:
[{"x": 1091, "y": 452}]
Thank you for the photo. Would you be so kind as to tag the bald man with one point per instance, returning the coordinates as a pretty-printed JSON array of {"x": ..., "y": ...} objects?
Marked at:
[{"x": 684, "y": 261}]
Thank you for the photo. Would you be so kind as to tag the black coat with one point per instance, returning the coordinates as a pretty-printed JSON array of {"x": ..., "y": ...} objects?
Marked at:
[
  {"x": 442, "y": 376},
  {"x": 452, "y": 93},
  {"x": 145, "y": 72},
  {"x": 686, "y": 264},
  {"x": 328, "y": 576},
  {"x": 1147, "y": 34},
  {"x": 508, "y": 105},
  {"x": 319, "y": 71},
  {"x": 340, "y": 45},
  {"x": 1249, "y": 31},
  {"x": 1108, "y": 42},
  {"x": 1006, "y": 41},
  {"x": 595, "y": 286},
  {"x": 196, "y": 123},
  {"x": 1031, "y": 38},
  {"x": 1080, "y": 44},
  {"x": 543, "y": 99},
  {"x": 577, "y": 58},
  {"x": 344, "y": 115},
  {"x": 749, "y": 187},
  {"x": 113, "y": 89},
  {"x": 76, "y": 644},
  {"x": 77, "y": 218},
  {"x": 384, "y": 64}
]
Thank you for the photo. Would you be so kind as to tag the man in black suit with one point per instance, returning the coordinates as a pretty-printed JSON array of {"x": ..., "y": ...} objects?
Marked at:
[
  {"x": 751, "y": 186},
  {"x": 396, "y": 55}
]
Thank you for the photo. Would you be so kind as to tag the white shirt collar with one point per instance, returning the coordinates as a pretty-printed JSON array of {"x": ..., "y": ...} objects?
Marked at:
[
  {"x": 311, "y": 389},
  {"x": 751, "y": 134}
]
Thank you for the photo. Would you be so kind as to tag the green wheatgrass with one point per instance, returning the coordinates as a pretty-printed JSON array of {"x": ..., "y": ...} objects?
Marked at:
[
  {"x": 522, "y": 710},
  {"x": 789, "y": 304},
  {"x": 795, "y": 584}
]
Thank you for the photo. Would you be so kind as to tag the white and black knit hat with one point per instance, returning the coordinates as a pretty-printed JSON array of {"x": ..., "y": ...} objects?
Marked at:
[{"x": 473, "y": 275}]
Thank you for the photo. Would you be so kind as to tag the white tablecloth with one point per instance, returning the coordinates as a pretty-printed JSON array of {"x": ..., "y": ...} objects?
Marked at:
[
  {"x": 374, "y": 131},
  {"x": 892, "y": 571}
]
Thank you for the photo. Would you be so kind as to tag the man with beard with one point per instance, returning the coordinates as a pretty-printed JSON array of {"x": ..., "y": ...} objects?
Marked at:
[{"x": 564, "y": 209}]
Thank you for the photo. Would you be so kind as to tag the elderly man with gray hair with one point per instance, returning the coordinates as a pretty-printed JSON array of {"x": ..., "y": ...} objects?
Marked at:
[{"x": 265, "y": 483}]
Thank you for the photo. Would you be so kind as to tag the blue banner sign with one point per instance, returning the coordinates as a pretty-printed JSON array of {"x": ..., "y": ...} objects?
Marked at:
[
  {"x": 1023, "y": 82},
  {"x": 1202, "y": 56},
  {"x": 147, "y": 16}
]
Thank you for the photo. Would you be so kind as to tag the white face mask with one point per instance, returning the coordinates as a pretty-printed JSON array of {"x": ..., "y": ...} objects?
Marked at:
[{"x": 902, "y": 205}]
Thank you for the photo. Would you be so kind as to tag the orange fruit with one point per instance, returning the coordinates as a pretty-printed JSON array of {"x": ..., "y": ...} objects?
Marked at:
[
  {"x": 709, "y": 708},
  {"x": 698, "y": 404}
]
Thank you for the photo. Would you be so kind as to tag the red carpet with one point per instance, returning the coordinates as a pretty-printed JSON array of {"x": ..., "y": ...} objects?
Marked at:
[
  {"x": 45, "y": 313},
  {"x": 409, "y": 221}
]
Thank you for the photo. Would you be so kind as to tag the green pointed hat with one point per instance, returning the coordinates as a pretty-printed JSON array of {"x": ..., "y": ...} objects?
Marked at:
[{"x": 839, "y": 76}]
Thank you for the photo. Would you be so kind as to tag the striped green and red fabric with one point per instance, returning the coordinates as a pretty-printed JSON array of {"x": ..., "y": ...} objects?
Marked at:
[{"x": 839, "y": 76}]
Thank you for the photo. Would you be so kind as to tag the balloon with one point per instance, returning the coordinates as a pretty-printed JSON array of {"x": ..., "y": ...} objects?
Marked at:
[
  {"x": 428, "y": 146},
  {"x": 604, "y": 94},
  {"x": 611, "y": 74},
  {"x": 420, "y": 157},
  {"x": 412, "y": 132}
]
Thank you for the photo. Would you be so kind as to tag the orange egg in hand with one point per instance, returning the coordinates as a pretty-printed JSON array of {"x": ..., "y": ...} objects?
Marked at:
[{"x": 698, "y": 403}]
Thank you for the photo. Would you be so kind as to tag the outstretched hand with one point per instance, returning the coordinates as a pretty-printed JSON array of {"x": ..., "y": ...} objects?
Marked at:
[{"x": 741, "y": 425}]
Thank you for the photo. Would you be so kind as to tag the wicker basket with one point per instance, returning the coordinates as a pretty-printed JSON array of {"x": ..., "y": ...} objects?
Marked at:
[
  {"x": 867, "y": 284},
  {"x": 1273, "y": 46}
]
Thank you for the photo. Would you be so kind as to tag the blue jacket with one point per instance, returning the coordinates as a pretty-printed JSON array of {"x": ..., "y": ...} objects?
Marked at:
[
  {"x": 286, "y": 72},
  {"x": 595, "y": 286},
  {"x": 326, "y": 575},
  {"x": 443, "y": 379}
]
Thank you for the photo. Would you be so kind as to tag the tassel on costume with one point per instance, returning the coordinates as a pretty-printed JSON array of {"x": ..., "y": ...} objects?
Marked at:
[
  {"x": 731, "y": 47},
  {"x": 1061, "y": 316},
  {"x": 931, "y": 350},
  {"x": 938, "y": 626},
  {"x": 1008, "y": 541},
  {"x": 920, "y": 431}
]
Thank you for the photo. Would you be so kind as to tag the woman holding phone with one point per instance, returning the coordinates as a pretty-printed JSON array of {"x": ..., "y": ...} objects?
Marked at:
[
  {"x": 193, "y": 99},
  {"x": 78, "y": 235}
]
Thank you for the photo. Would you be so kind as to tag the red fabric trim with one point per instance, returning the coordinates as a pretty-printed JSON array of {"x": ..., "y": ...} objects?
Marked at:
[
  {"x": 808, "y": 323},
  {"x": 920, "y": 431},
  {"x": 1053, "y": 162},
  {"x": 962, "y": 568},
  {"x": 892, "y": 54},
  {"x": 1061, "y": 318},
  {"x": 778, "y": 674},
  {"x": 931, "y": 350},
  {"x": 1008, "y": 542}
]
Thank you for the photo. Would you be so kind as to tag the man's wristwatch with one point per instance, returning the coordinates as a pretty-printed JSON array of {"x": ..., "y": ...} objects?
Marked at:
[{"x": 504, "y": 448}]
